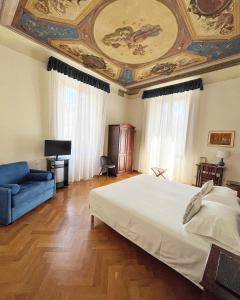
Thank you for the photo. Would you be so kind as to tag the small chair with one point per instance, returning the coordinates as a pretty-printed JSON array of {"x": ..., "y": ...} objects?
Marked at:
[{"x": 106, "y": 164}]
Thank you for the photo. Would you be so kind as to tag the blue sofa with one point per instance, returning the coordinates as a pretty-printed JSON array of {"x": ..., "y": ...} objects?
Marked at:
[{"x": 22, "y": 189}]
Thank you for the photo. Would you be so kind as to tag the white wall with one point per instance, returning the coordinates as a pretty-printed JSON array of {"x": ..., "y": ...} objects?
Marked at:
[
  {"x": 24, "y": 103},
  {"x": 116, "y": 114},
  {"x": 134, "y": 117},
  {"x": 220, "y": 110},
  {"x": 22, "y": 92}
]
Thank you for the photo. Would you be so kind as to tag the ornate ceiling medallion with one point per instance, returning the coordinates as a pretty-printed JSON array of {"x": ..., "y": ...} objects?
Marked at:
[{"x": 135, "y": 38}]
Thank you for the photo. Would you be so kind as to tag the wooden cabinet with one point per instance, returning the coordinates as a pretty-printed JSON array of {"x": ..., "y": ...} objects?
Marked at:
[
  {"x": 120, "y": 147},
  {"x": 207, "y": 171}
]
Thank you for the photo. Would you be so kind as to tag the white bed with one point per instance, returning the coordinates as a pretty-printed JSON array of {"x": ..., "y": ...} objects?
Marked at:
[{"x": 148, "y": 211}]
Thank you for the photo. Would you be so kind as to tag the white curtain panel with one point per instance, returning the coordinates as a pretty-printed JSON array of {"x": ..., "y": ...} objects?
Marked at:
[
  {"x": 78, "y": 113},
  {"x": 169, "y": 135}
]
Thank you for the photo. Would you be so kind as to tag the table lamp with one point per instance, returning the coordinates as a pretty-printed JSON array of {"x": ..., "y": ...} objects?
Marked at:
[{"x": 222, "y": 154}]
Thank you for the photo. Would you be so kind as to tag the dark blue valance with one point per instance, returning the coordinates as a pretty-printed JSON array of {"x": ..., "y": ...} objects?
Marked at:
[
  {"x": 61, "y": 67},
  {"x": 173, "y": 89}
]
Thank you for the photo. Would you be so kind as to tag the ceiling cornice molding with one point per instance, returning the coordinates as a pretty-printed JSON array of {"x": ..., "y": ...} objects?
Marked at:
[
  {"x": 192, "y": 73},
  {"x": 7, "y": 11}
]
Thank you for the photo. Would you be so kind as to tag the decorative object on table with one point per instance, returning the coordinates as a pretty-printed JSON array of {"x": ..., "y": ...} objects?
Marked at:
[
  {"x": 208, "y": 171},
  {"x": 234, "y": 185},
  {"x": 221, "y": 138},
  {"x": 222, "y": 154},
  {"x": 120, "y": 147},
  {"x": 203, "y": 159},
  {"x": 159, "y": 172},
  {"x": 22, "y": 189},
  {"x": 229, "y": 267},
  {"x": 106, "y": 164}
]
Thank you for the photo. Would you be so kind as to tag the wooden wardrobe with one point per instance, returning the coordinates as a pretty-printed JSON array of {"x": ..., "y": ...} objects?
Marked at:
[{"x": 120, "y": 147}]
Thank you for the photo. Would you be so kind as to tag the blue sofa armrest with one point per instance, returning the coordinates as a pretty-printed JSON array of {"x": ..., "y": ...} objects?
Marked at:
[
  {"x": 39, "y": 176},
  {"x": 14, "y": 188},
  {"x": 5, "y": 206},
  {"x": 37, "y": 171},
  {"x": 41, "y": 171}
]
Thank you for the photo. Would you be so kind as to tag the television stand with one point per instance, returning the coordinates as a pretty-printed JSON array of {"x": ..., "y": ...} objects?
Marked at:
[{"x": 60, "y": 169}]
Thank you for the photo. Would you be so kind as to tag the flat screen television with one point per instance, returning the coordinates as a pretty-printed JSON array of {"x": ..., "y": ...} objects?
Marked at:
[{"x": 57, "y": 147}]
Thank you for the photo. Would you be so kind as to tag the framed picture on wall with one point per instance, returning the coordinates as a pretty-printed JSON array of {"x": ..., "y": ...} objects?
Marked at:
[
  {"x": 221, "y": 138},
  {"x": 203, "y": 160}
]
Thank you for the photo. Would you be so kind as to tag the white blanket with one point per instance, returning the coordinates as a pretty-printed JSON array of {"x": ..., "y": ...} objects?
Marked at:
[{"x": 148, "y": 211}]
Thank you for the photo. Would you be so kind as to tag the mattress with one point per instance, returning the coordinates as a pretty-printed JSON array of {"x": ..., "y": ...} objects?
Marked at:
[{"x": 148, "y": 211}]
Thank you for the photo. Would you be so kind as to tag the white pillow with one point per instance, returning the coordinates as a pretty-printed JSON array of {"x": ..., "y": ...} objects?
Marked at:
[
  {"x": 226, "y": 199},
  {"x": 219, "y": 222},
  {"x": 206, "y": 188},
  {"x": 223, "y": 190},
  {"x": 192, "y": 208}
]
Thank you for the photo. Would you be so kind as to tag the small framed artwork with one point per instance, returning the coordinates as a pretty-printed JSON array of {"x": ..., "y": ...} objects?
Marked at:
[
  {"x": 221, "y": 138},
  {"x": 203, "y": 160}
]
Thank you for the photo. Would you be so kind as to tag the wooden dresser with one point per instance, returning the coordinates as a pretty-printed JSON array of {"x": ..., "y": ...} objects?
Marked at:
[
  {"x": 120, "y": 147},
  {"x": 207, "y": 171}
]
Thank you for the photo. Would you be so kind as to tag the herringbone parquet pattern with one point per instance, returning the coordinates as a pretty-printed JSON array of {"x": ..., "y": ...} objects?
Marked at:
[{"x": 52, "y": 253}]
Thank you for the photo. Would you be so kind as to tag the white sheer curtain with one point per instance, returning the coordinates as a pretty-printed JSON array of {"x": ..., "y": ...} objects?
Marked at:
[
  {"x": 169, "y": 135},
  {"x": 78, "y": 113}
]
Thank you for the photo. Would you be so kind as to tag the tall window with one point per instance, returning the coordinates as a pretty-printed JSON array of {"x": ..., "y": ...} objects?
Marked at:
[
  {"x": 169, "y": 135},
  {"x": 78, "y": 114}
]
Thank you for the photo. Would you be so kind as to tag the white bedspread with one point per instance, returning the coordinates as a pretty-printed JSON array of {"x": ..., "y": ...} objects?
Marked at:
[{"x": 148, "y": 211}]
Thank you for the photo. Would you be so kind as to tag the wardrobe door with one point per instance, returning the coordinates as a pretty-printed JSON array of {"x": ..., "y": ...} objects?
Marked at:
[
  {"x": 120, "y": 147},
  {"x": 113, "y": 145},
  {"x": 130, "y": 147},
  {"x": 123, "y": 145}
]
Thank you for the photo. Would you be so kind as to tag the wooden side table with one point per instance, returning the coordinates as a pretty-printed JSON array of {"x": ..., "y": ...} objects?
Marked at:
[
  {"x": 209, "y": 171},
  {"x": 212, "y": 289},
  {"x": 234, "y": 185}
]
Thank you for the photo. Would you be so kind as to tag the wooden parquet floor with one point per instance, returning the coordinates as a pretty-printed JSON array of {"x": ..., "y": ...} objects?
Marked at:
[{"x": 53, "y": 253}]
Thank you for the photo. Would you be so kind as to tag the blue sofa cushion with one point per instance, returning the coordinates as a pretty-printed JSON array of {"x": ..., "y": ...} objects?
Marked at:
[
  {"x": 29, "y": 190},
  {"x": 15, "y": 188},
  {"x": 14, "y": 172},
  {"x": 44, "y": 176}
]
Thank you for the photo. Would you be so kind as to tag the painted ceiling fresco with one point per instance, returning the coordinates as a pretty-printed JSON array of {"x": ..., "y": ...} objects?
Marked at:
[{"x": 132, "y": 41}]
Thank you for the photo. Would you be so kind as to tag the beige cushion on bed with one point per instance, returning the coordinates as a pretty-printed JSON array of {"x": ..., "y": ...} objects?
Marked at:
[
  {"x": 193, "y": 207},
  {"x": 207, "y": 187}
]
